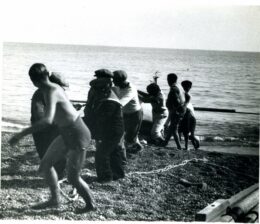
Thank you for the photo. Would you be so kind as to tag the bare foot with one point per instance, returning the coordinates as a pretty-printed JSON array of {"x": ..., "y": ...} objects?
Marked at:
[{"x": 46, "y": 204}]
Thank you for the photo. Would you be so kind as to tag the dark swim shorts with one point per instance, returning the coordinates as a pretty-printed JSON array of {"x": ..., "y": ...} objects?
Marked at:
[{"x": 177, "y": 117}]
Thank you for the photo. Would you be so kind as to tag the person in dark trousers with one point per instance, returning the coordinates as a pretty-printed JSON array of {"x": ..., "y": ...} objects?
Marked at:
[
  {"x": 132, "y": 110},
  {"x": 42, "y": 139},
  {"x": 74, "y": 134},
  {"x": 188, "y": 123},
  {"x": 109, "y": 131},
  {"x": 88, "y": 110},
  {"x": 89, "y": 115},
  {"x": 176, "y": 106}
]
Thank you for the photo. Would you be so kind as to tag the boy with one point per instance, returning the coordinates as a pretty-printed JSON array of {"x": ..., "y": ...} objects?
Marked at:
[
  {"x": 188, "y": 123},
  {"x": 175, "y": 104}
]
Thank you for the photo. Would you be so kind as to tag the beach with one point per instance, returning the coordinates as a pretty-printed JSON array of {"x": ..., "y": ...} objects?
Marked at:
[
  {"x": 151, "y": 190},
  {"x": 213, "y": 45},
  {"x": 226, "y": 163}
]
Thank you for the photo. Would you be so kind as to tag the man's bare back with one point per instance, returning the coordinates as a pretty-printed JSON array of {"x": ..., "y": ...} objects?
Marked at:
[
  {"x": 73, "y": 131},
  {"x": 59, "y": 104}
]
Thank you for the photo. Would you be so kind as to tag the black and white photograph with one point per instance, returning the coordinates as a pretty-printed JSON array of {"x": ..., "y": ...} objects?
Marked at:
[{"x": 130, "y": 110}]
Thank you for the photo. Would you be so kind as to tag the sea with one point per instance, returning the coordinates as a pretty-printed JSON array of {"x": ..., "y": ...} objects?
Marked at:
[{"x": 221, "y": 79}]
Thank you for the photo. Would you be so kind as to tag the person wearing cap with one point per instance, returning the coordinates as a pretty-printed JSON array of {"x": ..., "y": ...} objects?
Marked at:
[
  {"x": 132, "y": 110},
  {"x": 88, "y": 112},
  {"x": 109, "y": 131},
  {"x": 159, "y": 110},
  {"x": 176, "y": 107}
]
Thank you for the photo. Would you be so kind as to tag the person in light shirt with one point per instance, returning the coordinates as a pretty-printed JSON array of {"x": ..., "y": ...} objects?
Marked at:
[
  {"x": 132, "y": 110},
  {"x": 159, "y": 111},
  {"x": 188, "y": 123}
]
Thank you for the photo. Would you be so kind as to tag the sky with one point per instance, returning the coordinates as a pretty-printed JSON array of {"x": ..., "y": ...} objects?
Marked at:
[{"x": 225, "y": 25}]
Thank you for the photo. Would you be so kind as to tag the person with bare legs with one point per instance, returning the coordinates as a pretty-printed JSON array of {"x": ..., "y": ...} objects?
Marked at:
[
  {"x": 176, "y": 106},
  {"x": 74, "y": 134},
  {"x": 188, "y": 124}
]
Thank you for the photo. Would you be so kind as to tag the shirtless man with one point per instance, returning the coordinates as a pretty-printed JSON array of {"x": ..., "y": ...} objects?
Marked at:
[
  {"x": 176, "y": 106},
  {"x": 73, "y": 132},
  {"x": 42, "y": 139}
]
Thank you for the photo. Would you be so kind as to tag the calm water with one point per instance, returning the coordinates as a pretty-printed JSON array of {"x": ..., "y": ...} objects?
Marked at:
[{"x": 220, "y": 79}]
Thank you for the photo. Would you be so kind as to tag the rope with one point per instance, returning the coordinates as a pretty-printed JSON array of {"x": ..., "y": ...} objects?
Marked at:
[
  {"x": 169, "y": 167},
  {"x": 69, "y": 199}
]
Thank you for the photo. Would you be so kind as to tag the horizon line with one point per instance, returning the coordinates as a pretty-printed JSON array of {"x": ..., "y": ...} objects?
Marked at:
[{"x": 117, "y": 46}]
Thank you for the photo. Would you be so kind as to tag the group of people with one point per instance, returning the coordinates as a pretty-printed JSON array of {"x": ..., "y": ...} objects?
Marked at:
[{"x": 112, "y": 117}]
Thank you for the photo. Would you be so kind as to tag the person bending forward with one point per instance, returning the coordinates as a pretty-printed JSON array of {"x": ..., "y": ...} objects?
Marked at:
[
  {"x": 109, "y": 131},
  {"x": 74, "y": 133}
]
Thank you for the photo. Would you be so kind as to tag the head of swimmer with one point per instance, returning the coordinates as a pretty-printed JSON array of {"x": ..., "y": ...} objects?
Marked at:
[{"x": 38, "y": 74}]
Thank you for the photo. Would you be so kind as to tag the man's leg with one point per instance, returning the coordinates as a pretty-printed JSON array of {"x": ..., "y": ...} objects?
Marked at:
[
  {"x": 185, "y": 126},
  {"x": 173, "y": 130},
  {"x": 194, "y": 140},
  {"x": 176, "y": 135},
  {"x": 42, "y": 141},
  {"x": 116, "y": 162},
  {"x": 55, "y": 152},
  {"x": 102, "y": 161},
  {"x": 122, "y": 150},
  {"x": 132, "y": 124},
  {"x": 186, "y": 139},
  {"x": 158, "y": 125},
  {"x": 75, "y": 162},
  {"x": 168, "y": 136}
]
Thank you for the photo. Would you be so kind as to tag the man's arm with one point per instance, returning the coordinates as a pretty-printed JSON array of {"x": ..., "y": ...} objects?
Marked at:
[
  {"x": 42, "y": 123},
  {"x": 144, "y": 97}
]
